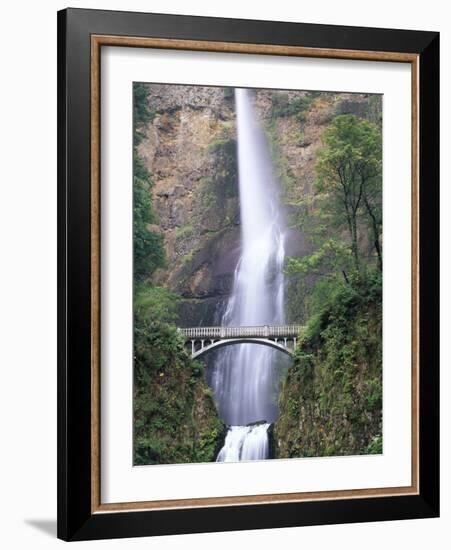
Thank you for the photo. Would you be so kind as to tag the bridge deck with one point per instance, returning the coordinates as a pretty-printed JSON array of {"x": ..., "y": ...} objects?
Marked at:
[{"x": 267, "y": 331}]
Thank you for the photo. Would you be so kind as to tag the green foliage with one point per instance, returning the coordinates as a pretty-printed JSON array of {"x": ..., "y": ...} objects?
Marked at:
[
  {"x": 184, "y": 232},
  {"x": 338, "y": 299},
  {"x": 375, "y": 446},
  {"x": 332, "y": 255},
  {"x": 284, "y": 106},
  {"x": 157, "y": 302},
  {"x": 141, "y": 112},
  {"x": 353, "y": 152},
  {"x": 331, "y": 401},
  {"x": 148, "y": 251},
  {"x": 312, "y": 278},
  {"x": 175, "y": 419},
  {"x": 342, "y": 222},
  {"x": 215, "y": 204},
  {"x": 157, "y": 345},
  {"x": 349, "y": 172}
]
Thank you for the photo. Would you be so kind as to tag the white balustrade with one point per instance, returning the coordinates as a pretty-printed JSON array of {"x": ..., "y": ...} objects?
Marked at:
[{"x": 274, "y": 332}]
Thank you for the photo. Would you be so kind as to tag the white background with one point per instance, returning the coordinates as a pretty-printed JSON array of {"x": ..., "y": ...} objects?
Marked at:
[
  {"x": 122, "y": 483},
  {"x": 28, "y": 274}
]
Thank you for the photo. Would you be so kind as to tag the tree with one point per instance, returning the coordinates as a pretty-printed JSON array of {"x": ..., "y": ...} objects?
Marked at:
[
  {"x": 372, "y": 194},
  {"x": 349, "y": 171},
  {"x": 141, "y": 112}
]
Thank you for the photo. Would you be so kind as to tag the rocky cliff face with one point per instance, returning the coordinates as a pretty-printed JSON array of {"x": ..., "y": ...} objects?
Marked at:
[{"x": 190, "y": 151}]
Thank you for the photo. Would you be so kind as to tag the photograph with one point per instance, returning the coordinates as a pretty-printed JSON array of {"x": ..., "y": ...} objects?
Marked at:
[
  {"x": 248, "y": 272},
  {"x": 257, "y": 274}
]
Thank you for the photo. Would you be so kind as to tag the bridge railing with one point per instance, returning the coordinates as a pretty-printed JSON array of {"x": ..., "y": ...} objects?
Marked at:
[{"x": 267, "y": 331}]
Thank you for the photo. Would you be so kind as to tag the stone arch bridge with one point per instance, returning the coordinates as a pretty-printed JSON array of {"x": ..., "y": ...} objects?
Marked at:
[{"x": 204, "y": 339}]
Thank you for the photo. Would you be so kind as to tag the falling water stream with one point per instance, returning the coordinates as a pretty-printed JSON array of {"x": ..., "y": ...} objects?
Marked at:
[{"x": 244, "y": 375}]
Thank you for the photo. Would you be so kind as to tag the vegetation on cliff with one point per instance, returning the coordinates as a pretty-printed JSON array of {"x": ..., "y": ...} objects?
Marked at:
[
  {"x": 148, "y": 251},
  {"x": 349, "y": 172},
  {"x": 331, "y": 399},
  {"x": 175, "y": 419}
]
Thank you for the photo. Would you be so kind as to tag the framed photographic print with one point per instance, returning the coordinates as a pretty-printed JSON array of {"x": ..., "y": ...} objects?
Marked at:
[{"x": 248, "y": 274}]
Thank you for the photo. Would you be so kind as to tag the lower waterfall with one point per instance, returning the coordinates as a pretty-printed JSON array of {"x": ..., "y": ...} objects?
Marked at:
[{"x": 245, "y": 443}]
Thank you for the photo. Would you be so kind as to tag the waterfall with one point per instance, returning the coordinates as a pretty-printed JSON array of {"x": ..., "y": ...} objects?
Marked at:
[
  {"x": 244, "y": 375},
  {"x": 245, "y": 443}
]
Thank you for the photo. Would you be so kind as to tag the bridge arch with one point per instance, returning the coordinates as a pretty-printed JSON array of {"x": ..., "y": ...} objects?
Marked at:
[
  {"x": 231, "y": 341},
  {"x": 280, "y": 337}
]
